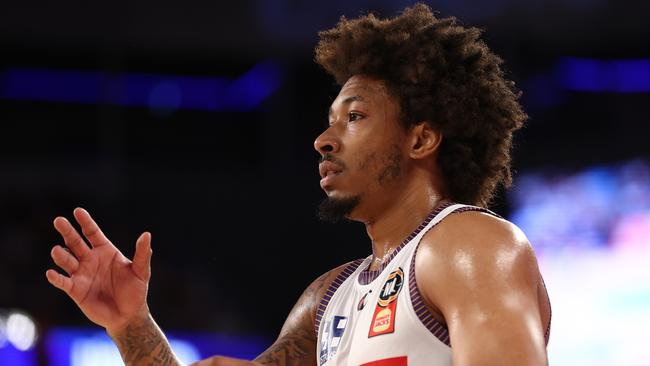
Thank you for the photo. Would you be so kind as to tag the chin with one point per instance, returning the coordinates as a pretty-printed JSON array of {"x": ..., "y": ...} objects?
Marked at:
[
  {"x": 337, "y": 207},
  {"x": 336, "y": 194}
]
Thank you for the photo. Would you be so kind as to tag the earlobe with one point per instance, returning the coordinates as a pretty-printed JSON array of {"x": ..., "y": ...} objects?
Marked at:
[{"x": 425, "y": 140}]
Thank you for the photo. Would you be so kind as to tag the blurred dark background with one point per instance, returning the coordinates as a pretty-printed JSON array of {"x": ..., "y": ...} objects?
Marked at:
[{"x": 102, "y": 106}]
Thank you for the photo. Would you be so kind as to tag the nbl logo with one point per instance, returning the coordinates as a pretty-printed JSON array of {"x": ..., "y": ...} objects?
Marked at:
[{"x": 391, "y": 288}]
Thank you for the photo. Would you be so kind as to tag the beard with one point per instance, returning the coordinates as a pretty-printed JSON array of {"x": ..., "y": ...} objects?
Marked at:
[
  {"x": 387, "y": 167},
  {"x": 336, "y": 209}
]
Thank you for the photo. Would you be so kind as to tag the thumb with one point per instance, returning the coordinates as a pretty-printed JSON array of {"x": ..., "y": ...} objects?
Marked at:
[{"x": 142, "y": 257}]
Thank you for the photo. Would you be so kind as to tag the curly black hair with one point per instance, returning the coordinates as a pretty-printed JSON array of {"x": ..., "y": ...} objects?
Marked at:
[{"x": 443, "y": 74}]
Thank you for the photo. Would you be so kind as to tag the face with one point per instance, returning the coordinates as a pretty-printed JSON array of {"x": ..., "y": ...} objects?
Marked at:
[{"x": 362, "y": 150}]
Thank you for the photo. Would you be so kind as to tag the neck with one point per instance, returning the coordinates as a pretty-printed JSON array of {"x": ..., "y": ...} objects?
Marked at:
[{"x": 395, "y": 222}]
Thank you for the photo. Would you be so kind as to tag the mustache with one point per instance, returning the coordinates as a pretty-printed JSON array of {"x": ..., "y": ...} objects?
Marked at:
[{"x": 329, "y": 157}]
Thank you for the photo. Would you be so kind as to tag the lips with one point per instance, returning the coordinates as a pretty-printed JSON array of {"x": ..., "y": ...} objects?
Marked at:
[
  {"x": 328, "y": 171},
  {"x": 327, "y": 168}
]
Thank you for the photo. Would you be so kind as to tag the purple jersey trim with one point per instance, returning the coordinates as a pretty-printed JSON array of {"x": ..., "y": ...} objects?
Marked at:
[
  {"x": 367, "y": 276},
  {"x": 436, "y": 328},
  {"x": 340, "y": 278}
]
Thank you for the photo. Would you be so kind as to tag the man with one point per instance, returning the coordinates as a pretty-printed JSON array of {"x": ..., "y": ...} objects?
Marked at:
[{"x": 424, "y": 119}]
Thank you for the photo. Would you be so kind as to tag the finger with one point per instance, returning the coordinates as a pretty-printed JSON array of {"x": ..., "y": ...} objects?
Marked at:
[
  {"x": 89, "y": 228},
  {"x": 64, "y": 259},
  {"x": 59, "y": 281},
  {"x": 223, "y": 361},
  {"x": 71, "y": 237},
  {"x": 206, "y": 362},
  {"x": 142, "y": 257}
]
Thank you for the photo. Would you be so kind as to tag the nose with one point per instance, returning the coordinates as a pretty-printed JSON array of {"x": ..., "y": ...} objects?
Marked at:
[{"x": 326, "y": 143}]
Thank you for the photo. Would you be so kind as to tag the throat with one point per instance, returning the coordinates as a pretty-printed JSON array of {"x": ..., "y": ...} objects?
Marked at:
[
  {"x": 389, "y": 237},
  {"x": 378, "y": 262}
]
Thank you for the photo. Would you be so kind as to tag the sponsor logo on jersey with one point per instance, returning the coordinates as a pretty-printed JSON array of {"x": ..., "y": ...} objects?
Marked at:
[
  {"x": 383, "y": 319},
  {"x": 333, "y": 331}
]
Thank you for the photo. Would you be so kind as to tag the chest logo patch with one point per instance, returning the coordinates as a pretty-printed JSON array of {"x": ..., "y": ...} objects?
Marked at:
[{"x": 383, "y": 319}]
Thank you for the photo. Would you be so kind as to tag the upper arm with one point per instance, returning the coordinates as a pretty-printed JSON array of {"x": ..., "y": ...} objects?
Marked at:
[
  {"x": 296, "y": 344},
  {"x": 481, "y": 273}
]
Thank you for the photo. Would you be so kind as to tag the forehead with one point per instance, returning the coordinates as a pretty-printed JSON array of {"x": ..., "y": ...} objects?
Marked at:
[{"x": 362, "y": 88}]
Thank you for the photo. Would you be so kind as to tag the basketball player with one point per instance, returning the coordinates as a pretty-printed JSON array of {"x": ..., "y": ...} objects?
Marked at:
[{"x": 423, "y": 122}]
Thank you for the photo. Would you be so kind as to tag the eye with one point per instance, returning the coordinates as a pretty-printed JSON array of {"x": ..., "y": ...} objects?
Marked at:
[{"x": 353, "y": 116}]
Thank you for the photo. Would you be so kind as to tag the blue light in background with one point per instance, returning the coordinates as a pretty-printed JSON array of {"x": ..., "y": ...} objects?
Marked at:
[
  {"x": 53, "y": 86},
  {"x": 10, "y": 355},
  {"x": 587, "y": 209},
  {"x": 618, "y": 76},
  {"x": 157, "y": 92},
  {"x": 254, "y": 86},
  {"x": 81, "y": 346},
  {"x": 585, "y": 75}
]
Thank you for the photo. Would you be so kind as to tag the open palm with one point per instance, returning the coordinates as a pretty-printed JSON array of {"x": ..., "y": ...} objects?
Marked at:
[{"x": 109, "y": 288}]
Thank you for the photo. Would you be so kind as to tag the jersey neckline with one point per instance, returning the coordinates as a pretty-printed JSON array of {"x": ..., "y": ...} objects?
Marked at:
[{"x": 367, "y": 276}]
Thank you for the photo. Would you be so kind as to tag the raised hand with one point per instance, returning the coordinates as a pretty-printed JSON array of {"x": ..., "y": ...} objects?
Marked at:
[{"x": 110, "y": 289}]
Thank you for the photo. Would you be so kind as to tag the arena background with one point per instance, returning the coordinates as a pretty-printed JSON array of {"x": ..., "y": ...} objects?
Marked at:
[{"x": 195, "y": 121}]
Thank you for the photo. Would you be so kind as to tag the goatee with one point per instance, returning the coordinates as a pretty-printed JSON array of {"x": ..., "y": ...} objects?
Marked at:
[{"x": 336, "y": 209}]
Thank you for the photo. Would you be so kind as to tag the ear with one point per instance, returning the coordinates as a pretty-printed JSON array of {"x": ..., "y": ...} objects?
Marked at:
[{"x": 424, "y": 140}]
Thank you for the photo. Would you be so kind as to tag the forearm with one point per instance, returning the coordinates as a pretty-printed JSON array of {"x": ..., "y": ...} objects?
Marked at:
[{"x": 143, "y": 343}]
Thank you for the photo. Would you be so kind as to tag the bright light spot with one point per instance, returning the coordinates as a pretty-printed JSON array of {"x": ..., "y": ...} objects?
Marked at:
[
  {"x": 185, "y": 351},
  {"x": 96, "y": 351},
  {"x": 591, "y": 230},
  {"x": 21, "y": 331}
]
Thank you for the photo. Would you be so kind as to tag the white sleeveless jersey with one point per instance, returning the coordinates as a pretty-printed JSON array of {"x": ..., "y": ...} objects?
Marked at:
[{"x": 378, "y": 318}]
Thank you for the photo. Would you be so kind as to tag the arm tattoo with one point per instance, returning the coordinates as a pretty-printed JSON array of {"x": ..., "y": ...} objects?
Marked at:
[
  {"x": 144, "y": 344},
  {"x": 291, "y": 350},
  {"x": 317, "y": 286},
  {"x": 297, "y": 347}
]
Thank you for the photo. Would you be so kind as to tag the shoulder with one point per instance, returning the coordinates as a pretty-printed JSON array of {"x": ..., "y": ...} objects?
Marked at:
[
  {"x": 307, "y": 305},
  {"x": 478, "y": 236},
  {"x": 319, "y": 286},
  {"x": 481, "y": 273},
  {"x": 296, "y": 343},
  {"x": 474, "y": 249}
]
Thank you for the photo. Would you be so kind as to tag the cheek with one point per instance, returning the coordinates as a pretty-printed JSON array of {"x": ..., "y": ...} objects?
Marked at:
[
  {"x": 368, "y": 162},
  {"x": 382, "y": 166}
]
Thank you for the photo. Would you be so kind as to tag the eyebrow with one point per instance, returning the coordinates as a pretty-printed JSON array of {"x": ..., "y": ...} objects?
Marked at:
[{"x": 348, "y": 100}]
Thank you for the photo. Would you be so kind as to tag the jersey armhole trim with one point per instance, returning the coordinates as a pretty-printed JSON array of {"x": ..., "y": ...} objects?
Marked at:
[
  {"x": 422, "y": 311},
  {"x": 340, "y": 278}
]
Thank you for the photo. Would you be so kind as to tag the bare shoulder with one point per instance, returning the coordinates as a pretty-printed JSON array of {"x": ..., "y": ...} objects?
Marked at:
[
  {"x": 303, "y": 314},
  {"x": 472, "y": 224},
  {"x": 477, "y": 238},
  {"x": 480, "y": 273},
  {"x": 296, "y": 344},
  {"x": 317, "y": 289},
  {"x": 473, "y": 254}
]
